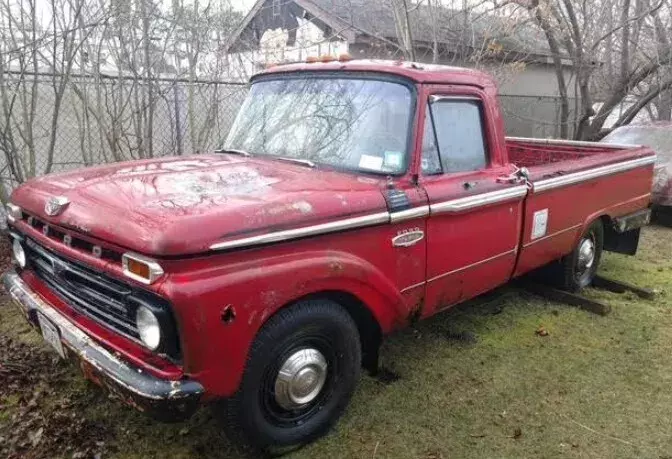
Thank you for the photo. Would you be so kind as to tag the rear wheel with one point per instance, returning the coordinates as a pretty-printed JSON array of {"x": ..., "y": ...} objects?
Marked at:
[
  {"x": 580, "y": 266},
  {"x": 302, "y": 370}
]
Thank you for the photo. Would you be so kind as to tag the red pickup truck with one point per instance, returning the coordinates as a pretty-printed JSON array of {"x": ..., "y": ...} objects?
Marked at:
[{"x": 350, "y": 199}]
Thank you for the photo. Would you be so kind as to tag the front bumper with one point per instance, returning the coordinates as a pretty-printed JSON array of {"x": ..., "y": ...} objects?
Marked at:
[{"x": 160, "y": 398}]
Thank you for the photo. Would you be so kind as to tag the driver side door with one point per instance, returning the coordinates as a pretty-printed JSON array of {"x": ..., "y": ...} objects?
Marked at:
[{"x": 475, "y": 219}]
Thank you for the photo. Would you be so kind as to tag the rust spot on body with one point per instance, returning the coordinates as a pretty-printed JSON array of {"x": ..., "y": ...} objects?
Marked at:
[
  {"x": 336, "y": 267},
  {"x": 416, "y": 312}
]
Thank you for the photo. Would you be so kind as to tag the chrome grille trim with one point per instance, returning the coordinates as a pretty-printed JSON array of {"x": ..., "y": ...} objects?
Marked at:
[{"x": 97, "y": 296}]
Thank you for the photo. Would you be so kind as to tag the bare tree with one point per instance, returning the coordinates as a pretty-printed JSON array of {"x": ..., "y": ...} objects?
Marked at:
[
  {"x": 620, "y": 33},
  {"x": 96, "y": 77}
]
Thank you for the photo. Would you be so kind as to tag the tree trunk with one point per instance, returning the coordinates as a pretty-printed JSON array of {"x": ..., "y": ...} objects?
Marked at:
[
  {"x": 557, "y": 64},
  {"x": 664, "y": 106}
]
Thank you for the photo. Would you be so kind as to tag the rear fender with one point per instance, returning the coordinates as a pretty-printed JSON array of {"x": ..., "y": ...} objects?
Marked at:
[
  {"x": 621, "y": 234},
  {"x": 608, "y": 215}
]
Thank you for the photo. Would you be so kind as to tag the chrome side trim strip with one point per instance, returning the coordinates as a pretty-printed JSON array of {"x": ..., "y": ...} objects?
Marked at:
[
  {"x": 564, "y": 180},
  {"x": 478, "y": 200},
  {"x": 473, "y": 265},
  {"x": 557, "y": 233},
  {"x": 339, "y": 225},
  {"x": 576, "y": 143},
  {"x": 409, "y": 214},
  {"x": 411, "y": 287}
]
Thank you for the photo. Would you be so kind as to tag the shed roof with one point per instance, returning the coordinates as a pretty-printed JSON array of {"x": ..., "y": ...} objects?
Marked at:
[{"x": 455, "y": 29}]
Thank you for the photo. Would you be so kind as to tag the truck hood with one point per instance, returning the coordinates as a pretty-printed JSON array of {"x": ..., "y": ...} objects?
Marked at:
[{"x": 183, "y": 205}]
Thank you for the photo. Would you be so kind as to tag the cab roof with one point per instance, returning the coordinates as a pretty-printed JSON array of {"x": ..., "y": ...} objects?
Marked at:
[{"x": 417, "y": 72}]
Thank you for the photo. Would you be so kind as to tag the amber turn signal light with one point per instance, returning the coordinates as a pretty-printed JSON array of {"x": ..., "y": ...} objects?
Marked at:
[{"x": 141, "y": 268}]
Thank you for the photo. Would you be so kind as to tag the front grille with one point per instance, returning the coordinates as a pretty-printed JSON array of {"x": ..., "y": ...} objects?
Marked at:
[
  {"x": 71, "y": 239},
  {"x": 108, "y": 301}
]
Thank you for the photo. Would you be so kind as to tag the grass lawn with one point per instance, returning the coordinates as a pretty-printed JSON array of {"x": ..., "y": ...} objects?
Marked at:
[{"x": 598, "y": 387}]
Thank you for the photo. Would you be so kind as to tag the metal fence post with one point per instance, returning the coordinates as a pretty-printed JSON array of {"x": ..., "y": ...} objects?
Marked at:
[{"x": 178, "y": 124}]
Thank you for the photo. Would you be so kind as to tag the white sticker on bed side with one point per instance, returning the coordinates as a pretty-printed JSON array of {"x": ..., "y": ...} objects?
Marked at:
[{"x": 539, "y": 223}]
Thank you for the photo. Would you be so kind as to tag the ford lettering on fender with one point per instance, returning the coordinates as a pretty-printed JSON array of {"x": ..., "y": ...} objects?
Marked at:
[{"x": 349, "y": 199}]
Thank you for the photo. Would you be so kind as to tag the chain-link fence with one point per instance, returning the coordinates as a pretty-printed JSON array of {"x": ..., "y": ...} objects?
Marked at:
[{"x": 46, "y": 127}]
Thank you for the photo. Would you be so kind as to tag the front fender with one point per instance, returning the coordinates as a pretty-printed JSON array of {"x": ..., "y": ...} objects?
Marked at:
[{"x": 255, "y": 289}]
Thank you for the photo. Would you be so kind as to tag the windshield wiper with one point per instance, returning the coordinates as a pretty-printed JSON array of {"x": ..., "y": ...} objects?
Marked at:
[
  {"x": 233, "y": 151},
  {"x": 305, "y": 162}
]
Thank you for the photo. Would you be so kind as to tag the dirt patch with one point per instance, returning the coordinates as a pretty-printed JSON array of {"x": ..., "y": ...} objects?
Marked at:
[{"x": 40, "y": 419}]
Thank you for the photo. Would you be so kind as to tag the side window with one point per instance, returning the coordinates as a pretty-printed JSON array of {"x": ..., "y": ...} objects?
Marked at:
[
  {"x": 430, "y": 163},
  {"x": 460, "y": 134}
]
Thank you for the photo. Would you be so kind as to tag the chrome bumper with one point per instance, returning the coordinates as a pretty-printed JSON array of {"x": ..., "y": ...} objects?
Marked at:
[{"x": 163, "y": 399}]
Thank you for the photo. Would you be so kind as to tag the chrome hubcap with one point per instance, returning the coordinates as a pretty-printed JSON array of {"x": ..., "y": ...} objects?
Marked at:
[
  {"x": 586, "y": 254},
  {"x": 300, "y": 379}
]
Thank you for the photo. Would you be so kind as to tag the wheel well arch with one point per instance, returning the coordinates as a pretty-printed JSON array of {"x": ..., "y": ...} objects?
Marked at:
[
  {"x": 370, "y": 331},
  {"x": 606, "y": 220},
  {"x": 607, "y": 228}
]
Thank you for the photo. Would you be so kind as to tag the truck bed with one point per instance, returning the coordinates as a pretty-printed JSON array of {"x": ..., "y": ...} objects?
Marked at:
[
  {"x": 546, "y": 158},
  {"x": 572, "y": 184}
]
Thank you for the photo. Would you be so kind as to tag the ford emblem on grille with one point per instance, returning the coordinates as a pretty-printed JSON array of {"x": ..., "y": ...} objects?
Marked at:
[{"x": 55, "y": 205}]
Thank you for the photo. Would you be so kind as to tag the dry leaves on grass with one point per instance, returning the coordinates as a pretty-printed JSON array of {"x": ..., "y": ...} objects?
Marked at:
[
  {"x": 541, "y": 331},
  {"x": 31, "y": 427}
]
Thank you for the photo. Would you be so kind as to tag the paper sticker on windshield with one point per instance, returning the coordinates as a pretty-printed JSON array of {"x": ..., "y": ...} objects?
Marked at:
[
  {"x": 393, "y": 160},
  {"x": 371, "y": 162},
  {"x": 539, "y": 223}
]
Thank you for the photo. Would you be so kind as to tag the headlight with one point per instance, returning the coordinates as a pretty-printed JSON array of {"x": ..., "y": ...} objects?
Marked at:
[
  {"x": 19, "y": 253},
  {"x": 148, "y": 327},
  {"x": 13, "y": 212}
]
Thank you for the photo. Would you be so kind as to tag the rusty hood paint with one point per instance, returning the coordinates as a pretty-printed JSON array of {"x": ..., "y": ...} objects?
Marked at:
[{"x": 176, "y": 206}]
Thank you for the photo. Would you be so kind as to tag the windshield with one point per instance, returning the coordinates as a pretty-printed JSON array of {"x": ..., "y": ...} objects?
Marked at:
[
  {"x": 357, "y": 124},
  {"x": 657, "y": 138}
]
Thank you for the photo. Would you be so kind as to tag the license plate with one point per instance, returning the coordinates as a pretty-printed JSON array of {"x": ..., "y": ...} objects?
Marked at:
[{"x": 51, "y": 334}]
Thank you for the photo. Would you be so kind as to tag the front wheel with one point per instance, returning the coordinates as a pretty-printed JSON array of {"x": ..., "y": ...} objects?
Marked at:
[
  {"x": 580, "y": 266},
  {"x": 302, "y": 370}
]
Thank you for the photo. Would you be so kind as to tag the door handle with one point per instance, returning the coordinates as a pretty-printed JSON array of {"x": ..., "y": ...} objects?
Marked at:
[{"x": 469, "y": 185}]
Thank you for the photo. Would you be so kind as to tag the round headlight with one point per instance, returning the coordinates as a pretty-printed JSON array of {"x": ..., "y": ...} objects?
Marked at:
[
  {"x": 19, "y": 253},
  {"x": 148, "y": 327}
]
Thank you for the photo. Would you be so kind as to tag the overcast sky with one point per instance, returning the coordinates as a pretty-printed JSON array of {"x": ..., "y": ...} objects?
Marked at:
[{"x": 242, "y": 5}]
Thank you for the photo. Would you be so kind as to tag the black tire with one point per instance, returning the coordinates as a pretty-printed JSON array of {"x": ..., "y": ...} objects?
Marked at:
[
  {"x": 254, "y": 416},
  {"x": 575, "y": 275}
]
